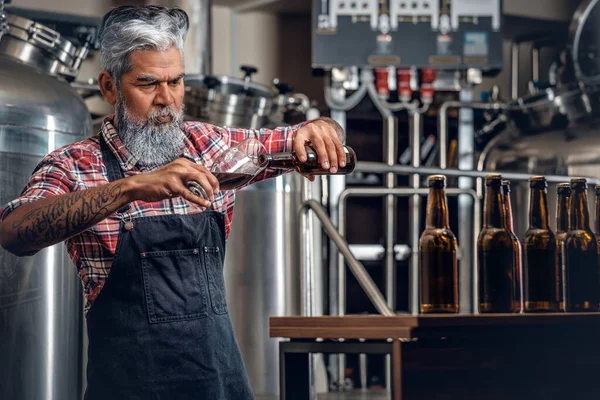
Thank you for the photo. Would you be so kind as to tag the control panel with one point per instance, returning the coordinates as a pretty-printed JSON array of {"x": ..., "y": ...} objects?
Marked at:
[{"x": 443, "y": 34}]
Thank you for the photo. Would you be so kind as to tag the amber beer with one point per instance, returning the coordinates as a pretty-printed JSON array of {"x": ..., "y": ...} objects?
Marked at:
[
  {"x": 580, "y": 276},
  {"x": 508, "y": 215},
  {"x": 498, "y": 277},
  {"x": 563, "y": 190},
  {"x": 540, "y": 256},
  {"x": 312, "y": 166},
  {"x": 437, "y": 254}
]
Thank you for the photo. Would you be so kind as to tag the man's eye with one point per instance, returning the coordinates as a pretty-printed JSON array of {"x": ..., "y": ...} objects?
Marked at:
[{"x": 175, "y": 82}]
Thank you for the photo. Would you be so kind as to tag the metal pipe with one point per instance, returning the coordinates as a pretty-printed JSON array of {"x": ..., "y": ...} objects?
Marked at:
[
  {"x": 380, "y": 168},
  {"x": 404, "y": 192},
  {"x": 198, "y": 45},
  {"x": 466, "y": 144},
  {"x": 357, "y": 269},
  {"x": 514, "y": 75},
  {"x": 391, "y": 154},
  {"x": 337, "y": 272},
  {"x": 443, "y": 122},
  {"x": 415, "y": 214},
  {"x": 308, "y": 282},
  {"x": 535, "y": 64}
]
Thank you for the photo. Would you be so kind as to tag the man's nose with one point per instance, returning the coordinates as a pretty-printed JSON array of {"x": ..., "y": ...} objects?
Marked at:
[{"x": 164, "y": 97}]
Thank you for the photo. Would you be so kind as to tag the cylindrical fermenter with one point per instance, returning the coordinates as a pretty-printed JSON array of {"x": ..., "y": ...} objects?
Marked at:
[
  {"x": 437, "y": 254},
  {"x": 563, "y": 191},
  {"x": 495, "y": 253},
  {"x": 580, "y": 276},
  {"x": 508, "y": 214},
  {"x": 41, "y": 305},
  {"x": 540, "y": 257}
]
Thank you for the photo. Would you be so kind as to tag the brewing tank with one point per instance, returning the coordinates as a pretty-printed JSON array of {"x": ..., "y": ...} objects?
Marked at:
[
  {"x": 262, "y": 260},
  {"x": 41, "y": 305}
]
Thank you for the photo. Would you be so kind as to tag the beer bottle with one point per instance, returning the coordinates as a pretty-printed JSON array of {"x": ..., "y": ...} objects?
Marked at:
[
  {"x": 437, "y": 254},
  {"x": 580, "y": 278},
  {"x": 540, "y": 257},
  {"x": 508, "y": 215},
  {"x": 563, "y": 190},
  {"x": 495, "y": 254},
  {"x": 312, "y": 166}
]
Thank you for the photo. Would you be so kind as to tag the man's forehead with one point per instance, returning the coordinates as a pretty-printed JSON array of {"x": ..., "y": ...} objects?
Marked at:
[{"x": 161, "y": 64}]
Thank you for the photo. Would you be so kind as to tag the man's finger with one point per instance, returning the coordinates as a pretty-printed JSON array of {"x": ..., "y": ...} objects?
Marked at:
[
  {"x": 299, "y": 143},
  {"x": 332, "y": 155},
  {"x": 319, "y": 145}
]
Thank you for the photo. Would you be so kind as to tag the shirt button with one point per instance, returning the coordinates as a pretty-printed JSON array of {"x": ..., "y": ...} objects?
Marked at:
[{"x": 195, "y": 251}]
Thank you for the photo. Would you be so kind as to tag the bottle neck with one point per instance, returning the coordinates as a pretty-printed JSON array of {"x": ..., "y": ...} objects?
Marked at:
[
  {"x": 279, "y": 160},
  {"x": 562, "y": 214},
  {"x": 437, "y": 209},
  {"x": 579, "y": 215},
  {"x": 538, "y": 209},
  {"x": 508, "y": 215},
  {"x": 493, "y": 208}
]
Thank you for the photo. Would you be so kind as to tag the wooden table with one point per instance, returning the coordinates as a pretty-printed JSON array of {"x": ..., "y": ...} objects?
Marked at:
[{"x": 448, "y": 357}]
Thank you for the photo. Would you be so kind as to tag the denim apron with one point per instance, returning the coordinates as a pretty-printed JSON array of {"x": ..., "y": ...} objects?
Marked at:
[{"x": 160, "y": 328}]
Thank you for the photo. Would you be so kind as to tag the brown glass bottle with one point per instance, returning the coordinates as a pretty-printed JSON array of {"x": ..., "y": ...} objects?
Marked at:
[
  {"x": 311, "y": 166},
  {"x": 580, "y": 275},
  {"x": 495, "y": 254},
  {"x": 563, "y": 190},
  {"x": 438, "y": 271},
  {"x": 508, "y": 215},
  {"x": 540, "y": 257}
]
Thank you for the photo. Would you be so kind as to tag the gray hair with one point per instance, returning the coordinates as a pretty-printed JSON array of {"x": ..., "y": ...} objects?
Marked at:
[{"x": 126, "y": 29}]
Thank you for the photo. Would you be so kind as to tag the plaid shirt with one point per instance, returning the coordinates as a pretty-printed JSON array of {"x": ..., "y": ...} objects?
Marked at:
[{"x": 79, "y": 166}]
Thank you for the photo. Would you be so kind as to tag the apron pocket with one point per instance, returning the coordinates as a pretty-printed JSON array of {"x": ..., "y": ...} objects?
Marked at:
[
  {"x": 213, "y": 261},
  {"x": 174, "y": 286}
]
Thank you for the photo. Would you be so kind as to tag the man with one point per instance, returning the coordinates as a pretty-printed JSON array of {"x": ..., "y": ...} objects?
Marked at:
[{"x": 149, "y": 252}]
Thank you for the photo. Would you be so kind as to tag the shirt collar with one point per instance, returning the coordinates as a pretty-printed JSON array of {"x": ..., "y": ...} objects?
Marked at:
[{"x": 127, "y": 160}]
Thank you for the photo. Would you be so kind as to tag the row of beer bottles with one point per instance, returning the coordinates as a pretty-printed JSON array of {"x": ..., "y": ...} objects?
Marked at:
[{"x": 543, "y": 272}]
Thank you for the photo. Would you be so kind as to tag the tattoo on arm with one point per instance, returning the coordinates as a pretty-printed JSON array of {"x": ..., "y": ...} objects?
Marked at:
[{"x": 68, "y": 215}]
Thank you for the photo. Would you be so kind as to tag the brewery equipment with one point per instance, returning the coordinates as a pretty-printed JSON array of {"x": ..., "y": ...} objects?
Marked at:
[
  {"x": 230, "y": 101},
  {"x": 262, "y": 260},
  {"x": 554, "y": 130},
  {"x": 41, "y": 313}
]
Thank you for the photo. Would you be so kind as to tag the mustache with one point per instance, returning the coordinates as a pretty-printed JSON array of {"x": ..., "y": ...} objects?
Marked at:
[{"x": 165, "y": 112}]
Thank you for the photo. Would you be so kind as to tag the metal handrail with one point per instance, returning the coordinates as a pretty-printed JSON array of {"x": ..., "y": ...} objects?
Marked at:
[
  {"x": 406, "y": 192},
  {"x": 380, "y": 168},
  {"x": 358, "y": 270}
]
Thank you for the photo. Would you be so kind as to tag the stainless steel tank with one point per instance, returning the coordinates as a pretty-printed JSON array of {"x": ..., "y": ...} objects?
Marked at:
[
  {"x": 41, "y": 312},
  {"x": 262, "y": 261},
  {"x": 229, "y": 101}
]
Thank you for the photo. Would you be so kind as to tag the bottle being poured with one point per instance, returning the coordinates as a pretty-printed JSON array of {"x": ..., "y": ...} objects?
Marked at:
[{"x": 312, "y": 166}]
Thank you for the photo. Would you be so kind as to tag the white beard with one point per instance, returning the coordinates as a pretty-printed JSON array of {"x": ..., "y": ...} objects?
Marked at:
[{"x": 152, "y": 143}]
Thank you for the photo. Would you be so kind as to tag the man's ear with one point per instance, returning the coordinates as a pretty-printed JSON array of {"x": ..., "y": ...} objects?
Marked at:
[{"x": 107, "y": 87}]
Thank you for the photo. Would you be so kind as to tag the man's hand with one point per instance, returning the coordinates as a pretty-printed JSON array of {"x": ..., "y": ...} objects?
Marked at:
[
  {"x": 171, "y": 181},
  {"x": 325, "y": 136}
]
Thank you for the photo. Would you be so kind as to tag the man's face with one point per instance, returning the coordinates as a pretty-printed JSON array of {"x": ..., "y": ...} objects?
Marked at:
[
  {"x": 148, "y": 107},
  {"x": 154, "y": 82}
]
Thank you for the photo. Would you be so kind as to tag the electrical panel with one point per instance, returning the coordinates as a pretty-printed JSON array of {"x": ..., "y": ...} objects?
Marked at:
[{"x": 443, "y": 34}]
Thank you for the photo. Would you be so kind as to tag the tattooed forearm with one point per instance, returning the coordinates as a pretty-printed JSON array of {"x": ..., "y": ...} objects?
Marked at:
[{"x": 54, "y": 219}]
